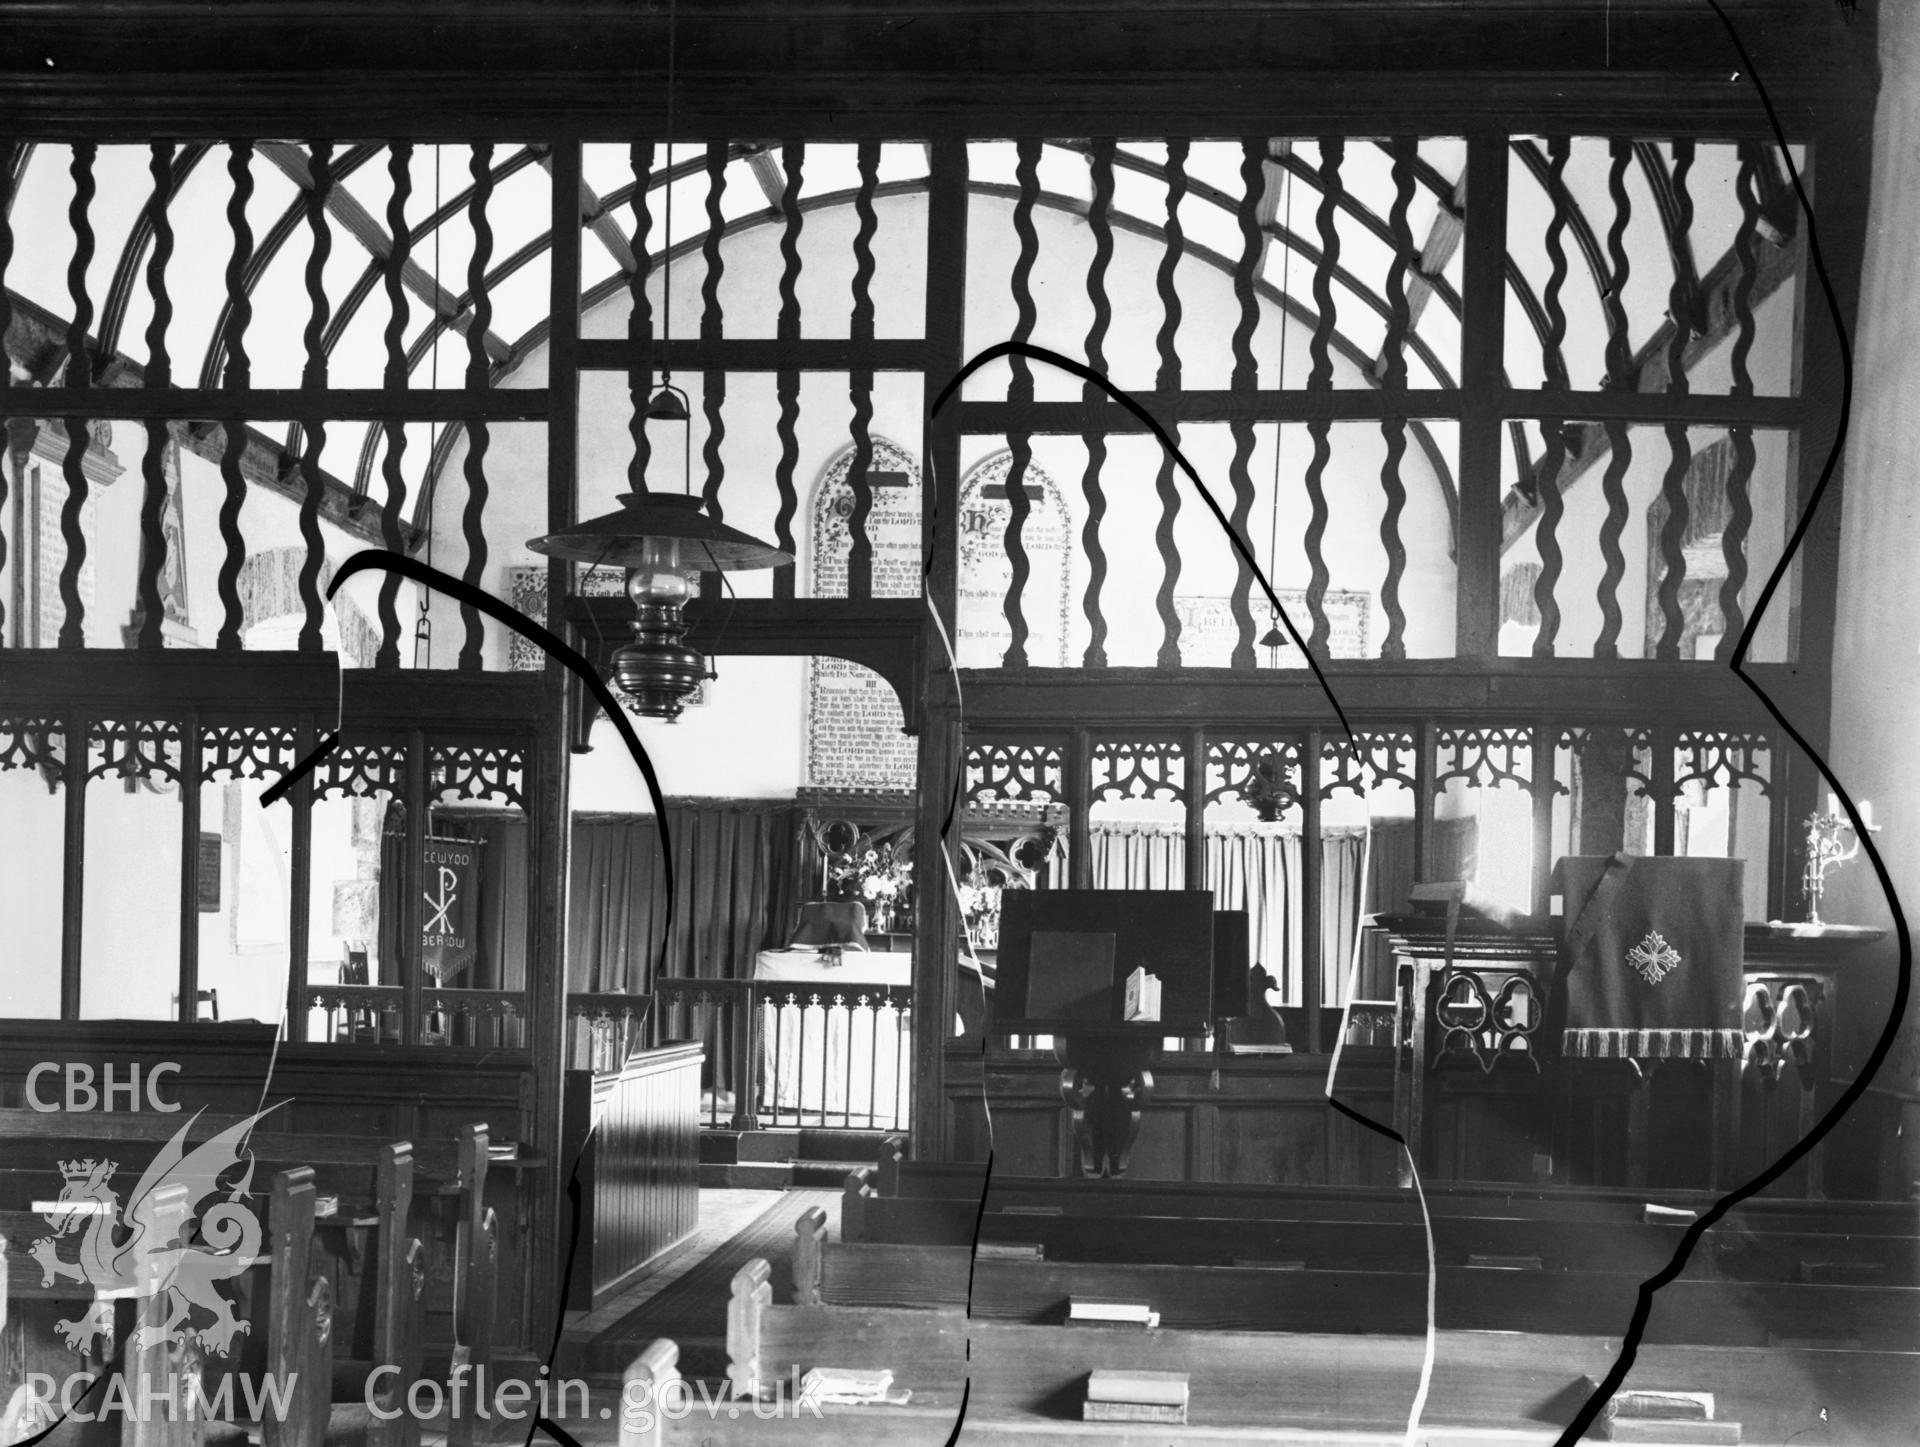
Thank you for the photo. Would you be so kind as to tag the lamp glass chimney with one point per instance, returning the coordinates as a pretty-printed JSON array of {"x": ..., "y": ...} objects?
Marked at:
[{"x": 661, "y": 574}]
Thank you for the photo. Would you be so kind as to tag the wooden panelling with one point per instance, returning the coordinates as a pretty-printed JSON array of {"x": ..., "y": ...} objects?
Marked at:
[
  {"x": 1250, "y": 1122},
  {"x": 639, "y": 1169}
]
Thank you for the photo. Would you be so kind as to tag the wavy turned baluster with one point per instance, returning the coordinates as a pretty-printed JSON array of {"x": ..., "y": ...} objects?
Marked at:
[
  {"x": 713, "y": 384},
  {"x": 10, "y": 159},
  {"x": 1673, "y": 484},
  {"x": 860, "y": 381},
  {"x": 400, "y": 169},
  {"x": 1393, "y": 430},
  {"x": 153, "y": 465},
  {"x": 1619, "y": 370},
  {"x": 234, "y": 444},
  {"x": 787, "y": 391},
  {"x": 73, "y": 626},
  {"x": 1320, "y": 376},
  {"x": 1253, "y": 213},
  {"x": 1100, "y": 225},
  {"x": 478, "y": 375},
  {"x": 1733, "y": 541},
  {"x": 1553, "y": 365},
  {"x": 1169, "y": 381},
  {"x": 640, "y": 313},
  {"x": 1019, "y": 397},
  {"x": 315, "y": 380}
]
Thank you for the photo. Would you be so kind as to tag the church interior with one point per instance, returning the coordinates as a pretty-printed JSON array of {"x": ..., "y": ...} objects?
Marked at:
[{"x": 742, "y": 722}]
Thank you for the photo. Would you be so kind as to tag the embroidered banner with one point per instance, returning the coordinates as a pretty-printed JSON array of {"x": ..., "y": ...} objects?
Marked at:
[{"x": 450, "y": 877}]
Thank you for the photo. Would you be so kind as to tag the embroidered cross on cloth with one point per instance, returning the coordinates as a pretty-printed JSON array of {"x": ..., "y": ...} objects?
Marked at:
[{"x": 1651, "y": 956}]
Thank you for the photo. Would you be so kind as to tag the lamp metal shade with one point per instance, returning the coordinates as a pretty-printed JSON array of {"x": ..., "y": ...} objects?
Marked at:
[{"x": 617, "y": 539}]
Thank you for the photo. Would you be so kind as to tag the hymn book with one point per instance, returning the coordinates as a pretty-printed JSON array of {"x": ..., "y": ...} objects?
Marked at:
[
  {"x": 1105, "y": 1309},
  {"x": 1143, "y": 995}
]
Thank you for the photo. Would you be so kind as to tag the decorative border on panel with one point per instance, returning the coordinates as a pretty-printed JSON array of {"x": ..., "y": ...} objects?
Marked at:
[
  {"x": 1485, "y": 757},
  {"x": 1722, "y": 760},
  {"x": 244, "y": 751},
  {"x": 135, "y": 748},
  {"x": 1014, "y": 770},
  {"x": 1262, "y": 773},
  {"x": 359, "y": 771},
  {"x": 1139, "y": 769},
  {"x": 1386, "y": 755},
  {"x": 478, "y": 771},
  {"x": 34, "y": 743}
]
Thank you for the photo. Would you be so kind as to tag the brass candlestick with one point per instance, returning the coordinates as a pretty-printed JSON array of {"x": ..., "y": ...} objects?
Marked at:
[{"x": 1825, "y": 852}]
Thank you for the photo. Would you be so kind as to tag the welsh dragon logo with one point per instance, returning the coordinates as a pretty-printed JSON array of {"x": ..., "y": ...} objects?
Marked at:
[{"x": 161, "y": 1243}]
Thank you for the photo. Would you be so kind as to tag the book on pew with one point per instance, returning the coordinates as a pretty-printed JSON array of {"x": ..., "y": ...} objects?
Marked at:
[
  {"x": 1668, "y": 1405},
  {"x": 848, "y": 1386},
  {"x": 1139, "y": 1385},
  {"x": 1010, "y": 1251},
  {"x": 1488, "y": 1261},
  {"x": 1671, "y": 1431},
  {"x": 1107, "y": 1310},
  {"x": 1132, "y": 1412},
  {"x": 1657, "y": 1215}
]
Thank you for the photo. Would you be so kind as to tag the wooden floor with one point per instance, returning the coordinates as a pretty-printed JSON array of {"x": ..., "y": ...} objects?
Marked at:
[
  {"x": 686, "y": 1302},
  {"x": 687, "y": 1298}
]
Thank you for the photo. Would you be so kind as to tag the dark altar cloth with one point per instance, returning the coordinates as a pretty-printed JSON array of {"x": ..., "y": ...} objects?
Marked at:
[{"x": 1650, "y": 968}]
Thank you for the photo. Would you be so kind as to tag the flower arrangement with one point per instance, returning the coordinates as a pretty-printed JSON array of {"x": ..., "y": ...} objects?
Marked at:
[
  {"x": 980, "y": 904},
  {"x": 881, "y": 877}
]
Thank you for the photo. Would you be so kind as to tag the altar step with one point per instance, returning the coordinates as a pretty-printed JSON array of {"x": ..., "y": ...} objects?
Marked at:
[{"x": 774, "y": 1160}]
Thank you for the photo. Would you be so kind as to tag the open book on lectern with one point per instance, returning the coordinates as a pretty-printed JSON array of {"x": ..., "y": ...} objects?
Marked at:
[{"x": 1066, "y": 955}]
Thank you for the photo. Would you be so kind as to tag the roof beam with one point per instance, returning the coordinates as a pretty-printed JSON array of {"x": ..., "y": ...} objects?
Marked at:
[
  {"x": 597, "y": 216},
  {"x": 359, "y": 224}
]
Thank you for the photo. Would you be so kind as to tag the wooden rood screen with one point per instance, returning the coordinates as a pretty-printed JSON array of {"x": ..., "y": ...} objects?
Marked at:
[
  {"x": 1457, "y": 396},
  {"x": 1507, "y": 420}
]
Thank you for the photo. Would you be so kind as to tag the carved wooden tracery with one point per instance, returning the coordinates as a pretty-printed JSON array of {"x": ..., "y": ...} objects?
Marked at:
[
  {"x": 1485, "y": 757},
  {"x": 1015, "y": 771},
  {"x": 1139, "y": 769},
  {"x": 1264, "y": 773},
  {"x": 479, "y": 771},
  {"x": 1383, "y": 757}
]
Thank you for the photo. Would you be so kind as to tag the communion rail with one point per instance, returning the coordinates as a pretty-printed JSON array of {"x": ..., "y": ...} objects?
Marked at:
[{"x": 781, "y": 1053}]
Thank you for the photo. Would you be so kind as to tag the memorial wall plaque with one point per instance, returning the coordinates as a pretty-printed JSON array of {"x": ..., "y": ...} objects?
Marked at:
[
  {"x": 854, "y": 728},
  {"x": 1208, "y": 634},
  {"x": 986, "y": 571}
]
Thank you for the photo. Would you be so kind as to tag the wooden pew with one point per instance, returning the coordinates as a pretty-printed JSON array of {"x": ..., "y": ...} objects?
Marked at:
[
  {"x": 299, "y": 1311},
  {"x": 476, "y": 1266},
  {"x": 1595, "y": 1299},
  {"x": 342, "y": 1164},
  {"x": 299, "y": 1347},
  {"x": 1025, "y": 1384},
  {"x": 918, "y": 1180},
  {"x": 1733, "y": 1252},
  {"x": 344, "y": 1167},
  {"x": 771, "y": 1348},
  {"x": 299, "y": 1319}
]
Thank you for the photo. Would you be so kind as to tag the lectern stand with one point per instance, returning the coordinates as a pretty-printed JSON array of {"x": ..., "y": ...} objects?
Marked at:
[
  {"x": 1065, "y": 957},
  {"x": 1106, "y": 1083}
]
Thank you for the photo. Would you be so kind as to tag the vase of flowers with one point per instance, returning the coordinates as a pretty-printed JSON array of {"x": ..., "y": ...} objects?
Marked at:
[
  {"x": 980, "y": 907},
  {"x": 880, "y": 878}
]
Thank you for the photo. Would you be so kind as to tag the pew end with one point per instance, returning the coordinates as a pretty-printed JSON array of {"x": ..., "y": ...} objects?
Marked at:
[
  {"x": 809, "y": 1236},
  {"x": 854, "y": 1196},
  {"x": 644, "y": 1385},
  {"x": 893, "y": 1150}
]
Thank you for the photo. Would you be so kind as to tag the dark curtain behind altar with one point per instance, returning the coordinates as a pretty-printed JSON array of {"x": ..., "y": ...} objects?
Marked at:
[{"x": 735, "y": 874}]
